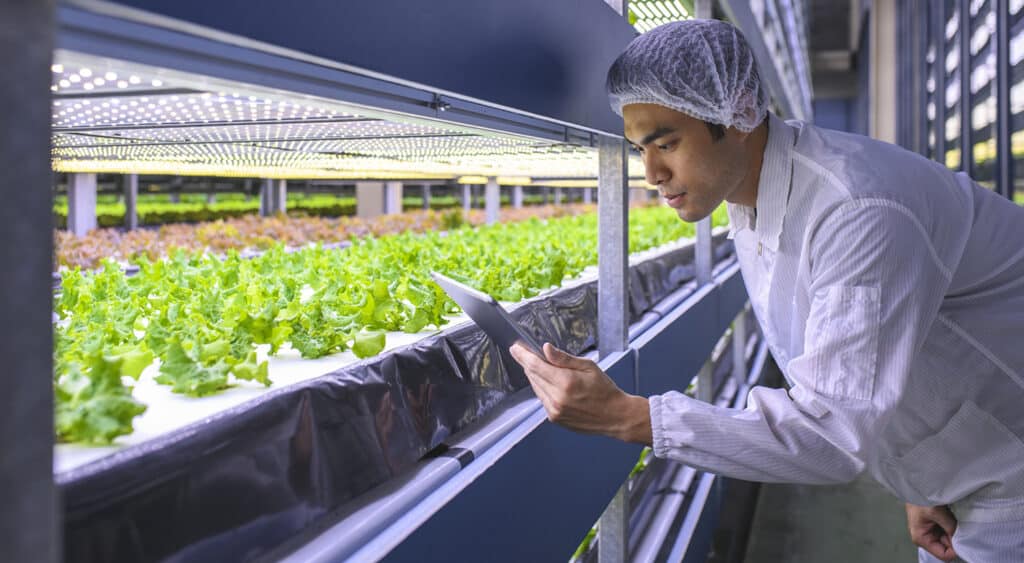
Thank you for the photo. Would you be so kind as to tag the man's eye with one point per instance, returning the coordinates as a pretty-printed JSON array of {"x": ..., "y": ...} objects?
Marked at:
[{"x": 667, "y": 146}]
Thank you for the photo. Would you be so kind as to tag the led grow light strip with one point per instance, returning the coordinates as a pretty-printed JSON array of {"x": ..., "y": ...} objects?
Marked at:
[{"x": 196, "y": 125}]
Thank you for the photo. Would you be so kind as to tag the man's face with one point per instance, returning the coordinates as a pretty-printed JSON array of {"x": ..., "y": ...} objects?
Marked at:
[{"x": 693, "y": 172}]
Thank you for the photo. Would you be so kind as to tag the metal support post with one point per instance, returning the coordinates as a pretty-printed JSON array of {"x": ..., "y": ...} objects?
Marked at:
[
  {"x": 517, "y": 197},
  {"x": 739, "y": 347},
  {"x": 921, "y": 74},
  {"x": 492, "y": 200},
  {"x": 30, "y": 519},
  {"x": 467, "y": 197},
  {"x": 613, "y": 247},
  {"x": 966, "y": 146},
  {"x": 558, "y": 196},
  {"x": 369, "y": 199},
  {"x": 705, "y": 257},
  {"x": 938, "y": 21},
  {"x": 131, "y": 200},
  {"x": 613, "y": 529},
  {"x": 706, "y": 383},
  {"x": 266, "y": 189},
  {"x": 392, "y": 198},
  {"x": 883, "y": 67},
  {"x": 81, "y": 203},
  {"x": 702, "y": 9},
  {"x": 1004, "y": 156},
  {"x": 612, "y": 310},
  {"x": 587, "y": 197},
  {"x": 176, "y": 186},
  {"x": 426, "y": 196},
  {"x": 280, "y": 199}
]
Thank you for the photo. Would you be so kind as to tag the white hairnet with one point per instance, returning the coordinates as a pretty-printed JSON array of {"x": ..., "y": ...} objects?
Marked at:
[{"x": 703, "y": 68}]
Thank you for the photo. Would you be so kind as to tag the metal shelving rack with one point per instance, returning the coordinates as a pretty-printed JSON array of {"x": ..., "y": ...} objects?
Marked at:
[{"x": 516, "y": 451}]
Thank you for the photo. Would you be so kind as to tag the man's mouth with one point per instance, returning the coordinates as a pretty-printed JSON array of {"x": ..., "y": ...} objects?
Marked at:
[{"x": 674, "y": 200}]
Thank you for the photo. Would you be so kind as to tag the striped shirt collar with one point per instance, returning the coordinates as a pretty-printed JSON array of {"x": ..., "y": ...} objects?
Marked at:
[{"x": 772, "y": 187}]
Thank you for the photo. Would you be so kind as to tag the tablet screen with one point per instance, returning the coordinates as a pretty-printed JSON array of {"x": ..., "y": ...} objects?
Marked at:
[{"x": 488, "y": 314}]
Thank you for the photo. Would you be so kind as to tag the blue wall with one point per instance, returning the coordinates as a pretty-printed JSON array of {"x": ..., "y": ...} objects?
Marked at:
[{"x": 833, "y": 114}]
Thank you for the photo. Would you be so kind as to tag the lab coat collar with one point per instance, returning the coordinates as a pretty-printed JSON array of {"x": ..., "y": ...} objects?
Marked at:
[
  {"x": 740, "y": 217},
  {"x": 772, "y": 188}
]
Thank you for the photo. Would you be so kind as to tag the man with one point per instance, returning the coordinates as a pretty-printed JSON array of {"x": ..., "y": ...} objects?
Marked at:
[{"x": 890, "y": 291}]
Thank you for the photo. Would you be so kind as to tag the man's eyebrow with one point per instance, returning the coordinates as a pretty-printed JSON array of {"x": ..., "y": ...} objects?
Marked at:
[{"x": 658, "y": 133}]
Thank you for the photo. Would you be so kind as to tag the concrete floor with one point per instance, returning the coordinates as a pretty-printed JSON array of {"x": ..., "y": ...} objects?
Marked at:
[{"x": 858, "y": 523}]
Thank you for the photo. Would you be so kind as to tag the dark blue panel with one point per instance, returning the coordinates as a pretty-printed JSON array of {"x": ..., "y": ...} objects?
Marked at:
[
  {"x": 700, "y": 542},
  {"x": 732, "y": 295},
  {"x": 623, "y": 371},
  {"x": 535, "y": 504},
  {"x": 833, "y": 114},
  {"x": 541, "y": 56},
  {"x": 669, "y": 360}
]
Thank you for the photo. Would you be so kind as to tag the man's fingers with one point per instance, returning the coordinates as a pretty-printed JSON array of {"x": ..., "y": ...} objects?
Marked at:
[
  {"x": 932, "y": 528},
  {"x": 544, "y": 391},
  {"x": 939, "y": 551},
  {"x": 552, "y": 358},
  {"x": 528, "y": 360},
  {"x": 934, "y": 545},
  {"x": 525, "y": 357},
  {"x": 540, "y": 390},
  {"x": 539, "y": 382},
  {"x": 938, "y": 543},
  {"x": 562, "y": 359},
  {"x": 945, "y": 519},
  {"x": 534, "y": 364},
  {"x": 945, "y": 525}
]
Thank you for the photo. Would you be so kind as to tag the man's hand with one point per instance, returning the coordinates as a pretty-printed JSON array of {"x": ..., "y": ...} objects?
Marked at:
[
  {"x": 932, "y": 527},
  {"x": 581, "y": 397}
]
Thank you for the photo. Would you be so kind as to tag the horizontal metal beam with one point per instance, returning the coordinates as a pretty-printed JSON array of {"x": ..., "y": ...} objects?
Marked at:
[
  {"x": 150, "y": 92},
  {"x": 449, "y": 511},
  {"x": 540, "y": 462},
  {"x": 106, "y": 29}
]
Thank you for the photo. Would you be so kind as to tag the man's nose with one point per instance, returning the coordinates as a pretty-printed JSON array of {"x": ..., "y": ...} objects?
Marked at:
[{"x": 654, "y": 170}]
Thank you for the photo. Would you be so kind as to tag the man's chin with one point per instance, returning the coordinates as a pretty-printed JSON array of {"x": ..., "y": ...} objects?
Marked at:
[{"x": 690, "y": 215}]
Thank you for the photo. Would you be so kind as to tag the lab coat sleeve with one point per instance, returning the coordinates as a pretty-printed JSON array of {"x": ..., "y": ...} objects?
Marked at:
[{"x": 876, "y": 287}]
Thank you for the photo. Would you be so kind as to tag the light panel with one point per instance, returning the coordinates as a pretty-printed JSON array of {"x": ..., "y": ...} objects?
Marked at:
[
  {"x": 176, "y": 107},
  {"x": 514, "y": 181},
  {"x": 648, "y": 14},
  {"x": 118, "y": 117}
]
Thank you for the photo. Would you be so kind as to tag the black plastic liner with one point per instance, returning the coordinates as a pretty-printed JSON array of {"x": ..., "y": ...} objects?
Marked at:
[{"x": 235, "y": 486}]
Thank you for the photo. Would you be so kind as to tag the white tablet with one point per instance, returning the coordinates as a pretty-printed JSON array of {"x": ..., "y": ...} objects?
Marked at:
[{"x": 487, "y": 314}]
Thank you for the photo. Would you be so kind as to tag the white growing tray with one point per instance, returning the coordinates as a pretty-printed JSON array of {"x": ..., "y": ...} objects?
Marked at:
[{"x": 167, "y": 411}]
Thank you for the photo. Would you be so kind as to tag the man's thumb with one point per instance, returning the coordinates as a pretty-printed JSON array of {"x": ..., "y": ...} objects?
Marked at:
[{"x": 562, "y": 359}]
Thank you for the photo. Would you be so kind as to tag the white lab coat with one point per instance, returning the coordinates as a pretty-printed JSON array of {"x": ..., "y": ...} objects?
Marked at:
[{"x": 891, "y": 293}]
